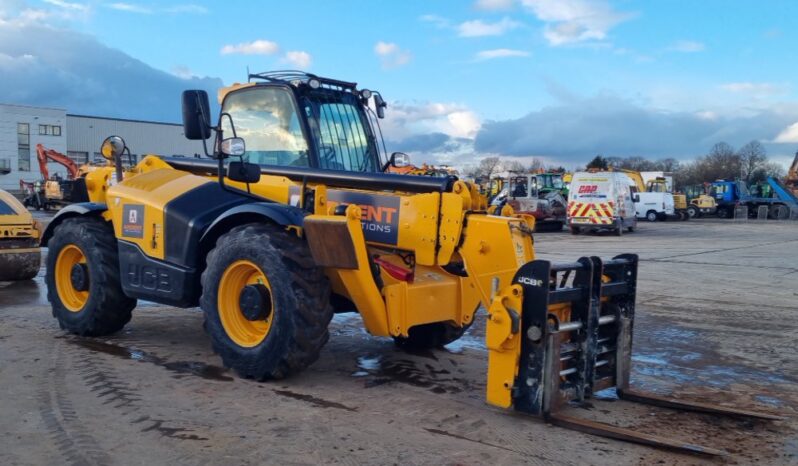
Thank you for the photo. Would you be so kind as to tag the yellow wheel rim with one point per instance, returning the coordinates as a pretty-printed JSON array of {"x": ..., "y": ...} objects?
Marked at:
[
  {"x": 70, "y": 297},
  {"x": 243, "y": 332}
]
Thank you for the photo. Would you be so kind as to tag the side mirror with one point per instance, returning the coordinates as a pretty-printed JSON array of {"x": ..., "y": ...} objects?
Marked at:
[
  {"x": 112, "y": 148},
  {"x": 380, "y": 104},
  {"x": 196, "y": 115},
  {"x": 233, "y": 146},
  {"x": 635, "y": 198},
  {"x": 400, "y": 159},
  {"x": 243, "y": 172}
]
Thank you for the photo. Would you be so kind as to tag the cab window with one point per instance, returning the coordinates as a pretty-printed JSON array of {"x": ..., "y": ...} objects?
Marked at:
[{"x": 267, "y": 120}]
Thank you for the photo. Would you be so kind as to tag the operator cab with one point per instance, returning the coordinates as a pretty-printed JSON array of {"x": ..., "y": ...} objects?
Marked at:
[{"x": 296, "y": 119}]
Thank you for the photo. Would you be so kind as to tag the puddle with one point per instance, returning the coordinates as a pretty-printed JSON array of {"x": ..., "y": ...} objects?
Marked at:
[{"x": 180, "y": 368}]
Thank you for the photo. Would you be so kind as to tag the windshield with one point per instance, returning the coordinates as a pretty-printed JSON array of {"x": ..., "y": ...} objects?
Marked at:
[
  {"x": 340, "y": 131},
  {"x": 267, "y": 120}
]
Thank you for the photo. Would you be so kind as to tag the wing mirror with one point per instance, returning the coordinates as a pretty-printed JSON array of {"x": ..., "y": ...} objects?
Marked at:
[
  {"x": 243, "y": 172},
  {"x": 399, "y": 159},
  {"x": 635, "y": 198},
  {"x": 233, "y": 147},
  {"x": 380, "y": 104},
  {"x": 196, "y": 115},
  {"x": 112, "y": 147}
]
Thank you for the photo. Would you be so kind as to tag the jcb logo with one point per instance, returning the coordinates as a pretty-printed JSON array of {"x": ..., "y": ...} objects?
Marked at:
[{"x": 530, "y": 281}]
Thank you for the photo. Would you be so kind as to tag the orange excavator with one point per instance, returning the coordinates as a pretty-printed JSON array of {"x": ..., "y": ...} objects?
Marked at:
[{"x": 54, "y": 191}]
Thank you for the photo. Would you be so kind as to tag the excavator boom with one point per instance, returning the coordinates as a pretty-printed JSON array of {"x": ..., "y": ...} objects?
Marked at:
[{"x": 44, "y": 155}]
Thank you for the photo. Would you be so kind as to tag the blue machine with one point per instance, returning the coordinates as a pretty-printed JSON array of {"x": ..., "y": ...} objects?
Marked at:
[{"x": 729, "y": 194}]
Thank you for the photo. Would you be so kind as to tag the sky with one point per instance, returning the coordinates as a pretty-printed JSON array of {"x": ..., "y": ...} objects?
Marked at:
[{"x": 560, "y": 80}]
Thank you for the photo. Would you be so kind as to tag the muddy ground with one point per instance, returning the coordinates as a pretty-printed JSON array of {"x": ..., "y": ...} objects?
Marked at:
[{"x": 717, "y": 320}]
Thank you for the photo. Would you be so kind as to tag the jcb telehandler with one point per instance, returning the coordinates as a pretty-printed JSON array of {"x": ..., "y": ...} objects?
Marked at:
[{"x": 295, "y": 219}]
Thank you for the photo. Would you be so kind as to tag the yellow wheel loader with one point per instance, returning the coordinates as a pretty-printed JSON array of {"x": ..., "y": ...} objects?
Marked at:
[
  {"x": 293, "y": 218},
  {"x": 20, "y": 255}
]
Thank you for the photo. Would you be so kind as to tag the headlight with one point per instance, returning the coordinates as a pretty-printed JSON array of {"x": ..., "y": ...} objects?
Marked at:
[
  {"x": 314, "y": 83},
  {"x": 366, "y": 94}
]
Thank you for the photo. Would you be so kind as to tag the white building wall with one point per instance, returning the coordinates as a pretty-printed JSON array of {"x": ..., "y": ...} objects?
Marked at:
[
  {"x": 86, "y": 134},
  {"x": 10, "y": 115}
]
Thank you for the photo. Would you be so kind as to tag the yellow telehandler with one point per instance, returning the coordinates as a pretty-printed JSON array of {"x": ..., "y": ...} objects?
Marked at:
[{"x": 293, "y": 218}]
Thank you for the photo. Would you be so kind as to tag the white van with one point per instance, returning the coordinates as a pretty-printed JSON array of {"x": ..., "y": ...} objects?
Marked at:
[{"x": 601, "y": 201}]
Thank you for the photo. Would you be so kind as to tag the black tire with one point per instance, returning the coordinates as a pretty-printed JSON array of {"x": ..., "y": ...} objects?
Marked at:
[
  {"x": 107, "y": 308},
  {"x": 630, "y": 229},
  {"x": 693, "y": 212},
  {"x": 619, "y": 228},
  {"x": 300, "y": 293},
  {"x": 429, "y": 336},
  {"x": 652, "y": 216},
  {"x": 724, "y": 212},
  {"x": 574, "y": 230}
]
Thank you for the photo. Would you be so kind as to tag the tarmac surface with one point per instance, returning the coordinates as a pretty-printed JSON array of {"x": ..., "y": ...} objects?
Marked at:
[{"x": 717, "y": 321}]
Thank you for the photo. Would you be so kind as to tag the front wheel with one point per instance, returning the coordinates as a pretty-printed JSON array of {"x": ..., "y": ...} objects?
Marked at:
[
  {"x": 266, "y": 303},
  {"x": 651, "y": 216},
  {"x": 83, "y": 284}
]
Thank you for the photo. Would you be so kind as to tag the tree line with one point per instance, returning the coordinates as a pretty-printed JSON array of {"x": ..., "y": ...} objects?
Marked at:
[{"x": 749, "y": 163}]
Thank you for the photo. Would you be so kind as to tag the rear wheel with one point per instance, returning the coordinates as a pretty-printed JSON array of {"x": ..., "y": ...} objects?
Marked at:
[
  {"x": 692, "y": 211},
  {"x": 724, "y": 212},
  {"x": 266, "y": 303},
  {"x": 575, "y": 230},
  {"x": 83, "y": 283}
]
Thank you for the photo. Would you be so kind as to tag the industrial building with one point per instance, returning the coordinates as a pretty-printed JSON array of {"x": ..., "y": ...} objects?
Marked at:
[{"x": 77, "y": 136}]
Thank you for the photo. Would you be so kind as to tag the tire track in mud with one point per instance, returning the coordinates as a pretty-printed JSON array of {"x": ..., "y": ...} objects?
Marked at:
[
  {"x": 103, "y": 381},
  {"x": 72, "y": 440}
]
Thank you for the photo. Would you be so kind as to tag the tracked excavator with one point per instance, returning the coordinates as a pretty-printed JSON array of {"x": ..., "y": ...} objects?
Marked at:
[
  {"x": 292, "y": 218},
  {"x": 51, "y": 192}
]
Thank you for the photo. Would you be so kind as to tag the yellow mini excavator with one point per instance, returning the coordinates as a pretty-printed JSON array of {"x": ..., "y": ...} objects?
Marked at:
[
  {"x": 293, "y": 217},
  {"x": 20, "y": 256}
]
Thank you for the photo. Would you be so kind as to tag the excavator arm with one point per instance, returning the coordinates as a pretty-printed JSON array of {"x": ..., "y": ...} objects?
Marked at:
[{"x": 45, "y": 155}]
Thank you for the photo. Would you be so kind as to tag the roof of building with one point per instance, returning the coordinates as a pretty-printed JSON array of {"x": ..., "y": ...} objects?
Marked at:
[
  {"x": 123, "y": 119},
  {"x": 31, "y": 106}
]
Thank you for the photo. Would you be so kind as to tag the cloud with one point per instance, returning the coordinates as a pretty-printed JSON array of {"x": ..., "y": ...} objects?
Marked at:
[
  {"x": 575, "y": 130},
  {"x": 687, "y": 46},
  {"x": 494, "y": 5},
  {"x": 130, "y": 8},
  {"x": 256, "y": 47},
  {"x": 68, "y": 5},
  {"x": 47, "y": 66},
  {"x": 438, "y": 21},
  {"x": 755, "y": 88},
  {"x": 788, "y": 134},
  {"x": 572, "y": 21},
  {"x": 298, "y": 59},
  {"x": 182, "y": 71},
  {"x": 391, "y": 55},
  {"x": 500, "y": 53},
  {"x": 479, "y": 28}
]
